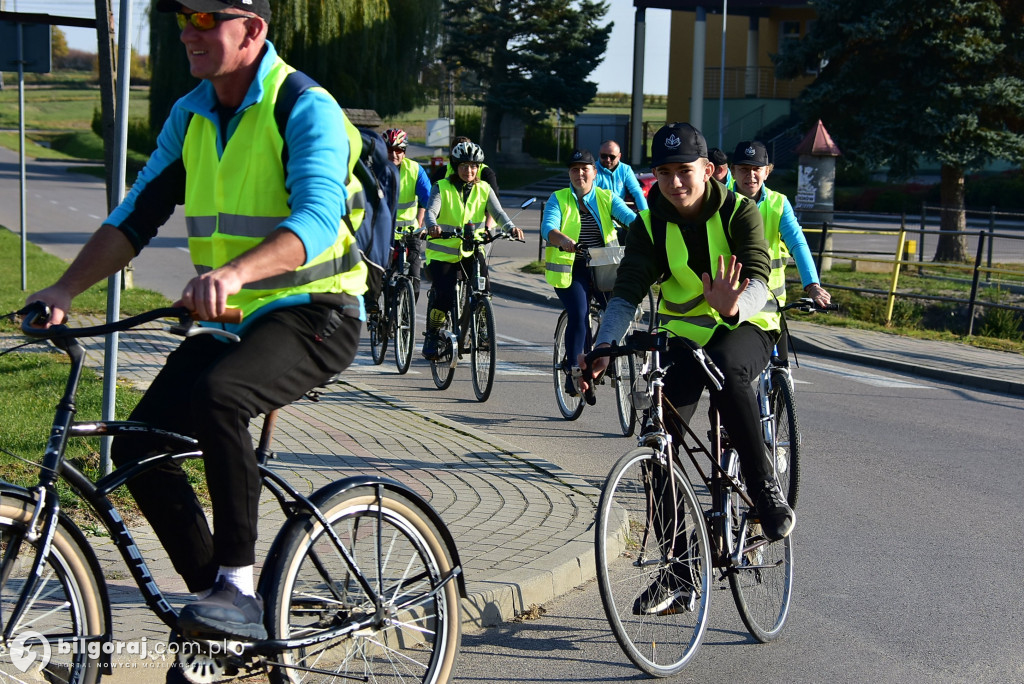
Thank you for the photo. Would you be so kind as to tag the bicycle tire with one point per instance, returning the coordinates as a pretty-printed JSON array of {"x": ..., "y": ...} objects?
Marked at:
[
  {"x": 786, "y": 450},
  {"x": 569, "y": 406},
  {"x": 483, "y": 356},
  {"x": 68, "y": 600},
  {"x": 379, "y": 324},
  {"x": 405, "y": 324},
  {"x": 624, "y": 381},
  {"x": 442, "y": 369},
  {"x": 312, "y": 590},
  {"x": 762, "y": 586},
  {"x": 630, "y": 562}
]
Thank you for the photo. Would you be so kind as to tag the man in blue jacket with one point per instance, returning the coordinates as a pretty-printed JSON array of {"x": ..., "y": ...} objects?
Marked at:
[
  {"x": 617, "y": 176},
  {"x": 268, "y": 234}
]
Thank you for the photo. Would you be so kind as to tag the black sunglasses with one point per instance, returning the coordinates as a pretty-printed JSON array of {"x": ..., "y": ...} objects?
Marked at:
[
  {"x": 204, "y": 21},
  {"x": 609, "y": 156}
]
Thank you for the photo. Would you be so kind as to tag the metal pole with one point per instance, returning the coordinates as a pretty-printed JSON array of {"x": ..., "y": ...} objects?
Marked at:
[
  {"x": 721, "y": 80},
  {"x": 821, "y": 245},
  {"x": 974, "y": 284},
  {"x": 637, "y": 146},
  {"x": 124, "y": 68},
  {"x": 21, "y": 146},
  {"x": 991, "y": 239}
]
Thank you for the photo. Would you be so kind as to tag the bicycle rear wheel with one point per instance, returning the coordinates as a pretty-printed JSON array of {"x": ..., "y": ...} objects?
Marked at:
[
  {"x": 66, "y": 604},
  {"x": 442, "y": 369},
  {"x": 762, "y": 585},
  {"x": 312, "y": 590},
  {"x": 405, "y": 324},
  {"x": 379, "y": 324},
  {"x": 483, "y": 356},
  {"x": 655, "y": 592},
  {"x": 571, "y": 407},
  {"x": 624, "y": 380},
  {"x": 786, "y": 450}
]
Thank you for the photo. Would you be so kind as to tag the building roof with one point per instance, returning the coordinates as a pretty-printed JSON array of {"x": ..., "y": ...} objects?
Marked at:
[{"x": 818, "y": 143}]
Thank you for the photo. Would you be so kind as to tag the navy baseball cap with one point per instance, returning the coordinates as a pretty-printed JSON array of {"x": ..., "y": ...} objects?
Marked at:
[
  {"x": 677, "y": 142},
  {"x": 580, "y": 157},
  {"x": 750, "y": 153}
]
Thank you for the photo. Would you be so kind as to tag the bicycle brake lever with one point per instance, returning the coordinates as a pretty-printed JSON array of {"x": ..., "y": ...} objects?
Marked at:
[
  {"x": 715, "y": 374},
  {"x": 588, "y": 394}
]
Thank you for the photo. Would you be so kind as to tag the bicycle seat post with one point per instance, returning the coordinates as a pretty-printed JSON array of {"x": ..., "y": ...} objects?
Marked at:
[{"x": 263, "y": 450}]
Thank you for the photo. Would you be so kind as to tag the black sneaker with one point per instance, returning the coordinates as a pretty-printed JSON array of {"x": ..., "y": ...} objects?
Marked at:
[
  {"x": 668, "y": 594},
  {"x": 570, "y": 387},
  {"x": 776, "y": 517},
  {"x": 225, "y": 612},
  {"x": 431, "y": 345}
]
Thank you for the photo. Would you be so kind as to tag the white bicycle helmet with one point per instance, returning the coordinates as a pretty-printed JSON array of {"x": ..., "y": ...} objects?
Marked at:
[{"x": 467, "y": 152}]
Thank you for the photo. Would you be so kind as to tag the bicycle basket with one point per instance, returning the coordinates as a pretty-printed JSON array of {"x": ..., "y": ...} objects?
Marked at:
[{"x": 604, "y": 262}]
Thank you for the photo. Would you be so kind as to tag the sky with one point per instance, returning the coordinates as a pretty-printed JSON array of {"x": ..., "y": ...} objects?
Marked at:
[{"x": 615, "y": 74}]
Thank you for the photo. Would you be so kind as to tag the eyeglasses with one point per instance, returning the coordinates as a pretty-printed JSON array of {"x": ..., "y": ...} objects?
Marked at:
[
  {"x": 466, "y": 166},
  {"x": 608, "y": 156},
  {"x": 204, "y": 21}
]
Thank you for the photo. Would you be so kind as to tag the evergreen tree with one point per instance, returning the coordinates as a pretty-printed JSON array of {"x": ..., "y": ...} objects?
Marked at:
[
  {"x": 909, "y": 79},
  {"x": 524, "y": 57}
]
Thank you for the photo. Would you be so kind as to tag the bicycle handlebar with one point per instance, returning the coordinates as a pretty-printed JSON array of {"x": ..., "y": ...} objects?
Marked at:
[
  {"x": 808, "y": 305},
  {"x": 36, "y": 310},
  {"x": 642, "y": 341}
]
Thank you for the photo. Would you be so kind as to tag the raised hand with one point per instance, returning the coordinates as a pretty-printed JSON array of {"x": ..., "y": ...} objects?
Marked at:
[{"x": 723, "y": 293}]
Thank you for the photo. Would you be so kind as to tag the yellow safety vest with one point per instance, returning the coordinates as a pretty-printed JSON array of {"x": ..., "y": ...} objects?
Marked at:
[
  {"x": 234, "y": 201},
  {"x": 557, "y": 263},
  {"x": 454, "y": 215},
  {"x": 683, "y": 310},
  {"x": 408, "y": 174},
  {"x": 771, "y": 213}
]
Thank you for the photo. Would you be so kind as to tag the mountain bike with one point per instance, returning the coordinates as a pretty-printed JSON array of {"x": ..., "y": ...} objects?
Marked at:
[
  {"x": 657, "y": 546},
  {"x": 395, "y": 314},
  {"x": 777, "y": 402},
  {"x": 468, "y": 327},
  {"x": 362, "y": 582}
]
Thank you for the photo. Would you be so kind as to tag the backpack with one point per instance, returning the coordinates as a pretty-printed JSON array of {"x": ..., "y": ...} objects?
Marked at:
[{"x": 379, "y": 179}]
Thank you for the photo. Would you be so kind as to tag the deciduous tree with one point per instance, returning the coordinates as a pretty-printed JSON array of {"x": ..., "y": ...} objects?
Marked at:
[{"x": 911, "y": 80}]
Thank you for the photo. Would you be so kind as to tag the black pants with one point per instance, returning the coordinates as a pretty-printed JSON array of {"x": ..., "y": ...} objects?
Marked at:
[
  {"x": 211, "y": 389},
  {"x": 443, "y": 275},
  {"x": 741, "y": 354},
  {"x": 417, "y": 249}
]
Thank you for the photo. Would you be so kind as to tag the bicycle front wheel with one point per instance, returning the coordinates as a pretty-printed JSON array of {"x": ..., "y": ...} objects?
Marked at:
[
  {"x": 379, "y": 325},
  {"x": 624, "y": 380},
  {"x": 653, "y": 562},
  {"x": 413, "y": 635},
  {"x": 483, "y": 357},
  {"x": 405, "y": 324},
  {"x": 762, "y": 584},
  {"x": 786, "y": 450},
  {"x": 571, "y": 407},
  {"x": 442, "y": 369},
  {"x": 66, "y": 604}
]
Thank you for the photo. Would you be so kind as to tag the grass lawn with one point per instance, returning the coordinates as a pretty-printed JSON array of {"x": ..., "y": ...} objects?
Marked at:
[{"x": 32, "y": 380}]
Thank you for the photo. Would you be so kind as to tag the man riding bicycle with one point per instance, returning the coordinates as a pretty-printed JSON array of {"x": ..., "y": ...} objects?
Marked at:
[
  {"x": 275, "y": 244},
  {"x": 580, "y": 214},
  {"x": 458, "y": 203},
  {"x": 693, "y": 229},
  {"x": 413, "y": 197}
]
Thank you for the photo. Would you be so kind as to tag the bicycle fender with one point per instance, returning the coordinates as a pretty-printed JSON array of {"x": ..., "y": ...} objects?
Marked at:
[{"x": 345, "y": 484}]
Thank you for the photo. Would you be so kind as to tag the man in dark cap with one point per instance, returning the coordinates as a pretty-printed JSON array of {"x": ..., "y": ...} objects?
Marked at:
[
  {"x": 722, "y": 174},
  {"x": 267, "y": 237},
  {"x": 580, "y": 214},
  {"x": 709, "y": 245}
]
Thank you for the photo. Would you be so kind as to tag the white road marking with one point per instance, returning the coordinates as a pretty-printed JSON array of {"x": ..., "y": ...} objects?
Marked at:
[{"x": 864, "y": 377}]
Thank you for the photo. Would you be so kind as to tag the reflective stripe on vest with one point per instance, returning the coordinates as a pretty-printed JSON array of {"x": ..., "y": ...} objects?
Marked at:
[
  {"x": 409, "y": 174},
  {"x": 453, "y": 216},
  {"x": 234, "y": 200},
  {"x": 683, "y": 310},
  {"x": 557, "y": 263}
]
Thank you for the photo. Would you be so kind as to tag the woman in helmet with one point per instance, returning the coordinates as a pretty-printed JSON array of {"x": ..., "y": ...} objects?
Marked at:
[
  {"x": 413, "y": 197},
  {"x": 456, "y": 202}
]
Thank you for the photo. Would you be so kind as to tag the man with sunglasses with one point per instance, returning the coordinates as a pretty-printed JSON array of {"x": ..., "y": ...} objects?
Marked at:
[
  {"x": 265, "y": 208},
  {"x": 615, "y": 175}
]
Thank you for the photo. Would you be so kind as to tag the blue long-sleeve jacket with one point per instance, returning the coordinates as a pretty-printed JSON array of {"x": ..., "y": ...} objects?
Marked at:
[
  {"x": 423, "y": 188},
  {"x": 553, "y": 212},
  {"x": 622, "y": 178}
]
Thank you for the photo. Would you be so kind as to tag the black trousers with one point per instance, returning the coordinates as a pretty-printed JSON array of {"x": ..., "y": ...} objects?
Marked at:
[
  {"x": 443, "y": 275},
  {"x": 211, "y": 389},
  {"x": 741, "y": 354}
]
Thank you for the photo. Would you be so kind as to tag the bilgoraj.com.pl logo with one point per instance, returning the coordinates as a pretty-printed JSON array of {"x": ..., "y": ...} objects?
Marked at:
[{"x": 30, "y": 650}]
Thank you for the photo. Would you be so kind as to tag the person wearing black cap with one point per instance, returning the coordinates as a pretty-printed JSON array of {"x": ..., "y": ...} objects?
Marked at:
[
  {"x": 721, "y": 173},
  {"x": 268, "y": 237},
  {"x": 580, "y": 214},
  {"x": 709, "y": 245},
  {"x": 782, "y": 231}
]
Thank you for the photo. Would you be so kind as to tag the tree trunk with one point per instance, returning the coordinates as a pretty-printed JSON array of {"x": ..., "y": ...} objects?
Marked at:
[
  {"x": 491, "y": 125},
  {"x": 952, "y": 246},
  {"x": 105, "y": 55}
]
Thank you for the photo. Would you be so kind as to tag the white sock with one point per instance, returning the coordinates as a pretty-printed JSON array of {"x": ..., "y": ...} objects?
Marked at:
[{"x": 240, "y": 576}]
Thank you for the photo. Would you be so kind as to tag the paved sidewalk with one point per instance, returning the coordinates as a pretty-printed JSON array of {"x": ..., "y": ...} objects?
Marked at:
[{"x": 522, "y": 525}]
